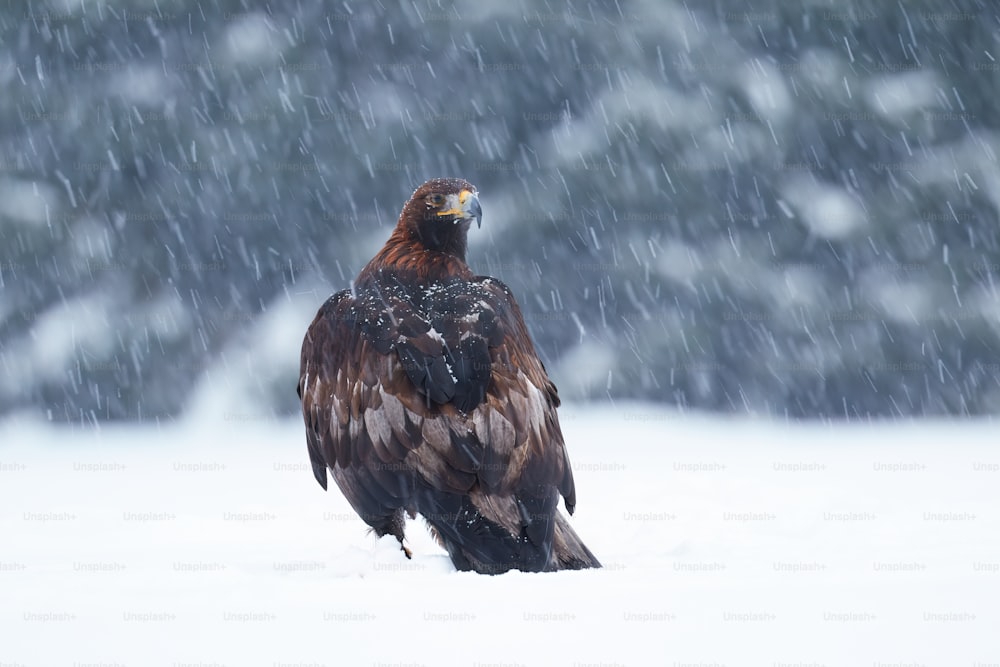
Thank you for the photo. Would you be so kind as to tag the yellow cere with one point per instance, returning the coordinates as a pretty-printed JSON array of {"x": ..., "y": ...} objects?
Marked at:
[{"x": 462, "y": 196}]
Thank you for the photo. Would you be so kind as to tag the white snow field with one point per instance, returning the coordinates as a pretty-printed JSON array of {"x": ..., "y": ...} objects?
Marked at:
[{"x": 725, "y": 542}]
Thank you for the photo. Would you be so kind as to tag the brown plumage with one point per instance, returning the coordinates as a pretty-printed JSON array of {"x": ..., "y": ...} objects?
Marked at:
[{"x": 422, "y": 393}]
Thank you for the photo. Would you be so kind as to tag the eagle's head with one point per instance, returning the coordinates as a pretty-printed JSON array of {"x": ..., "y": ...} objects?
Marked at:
[{"x": 439, "y": 213}]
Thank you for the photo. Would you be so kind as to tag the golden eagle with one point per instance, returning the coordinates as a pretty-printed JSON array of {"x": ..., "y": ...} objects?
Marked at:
[{"x": 422, "y": 393}]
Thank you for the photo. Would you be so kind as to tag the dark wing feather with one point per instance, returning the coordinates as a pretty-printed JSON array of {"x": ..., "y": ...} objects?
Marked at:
[
  {"x": 524, "y": 401},
  {"x": 324, "y": 354}
]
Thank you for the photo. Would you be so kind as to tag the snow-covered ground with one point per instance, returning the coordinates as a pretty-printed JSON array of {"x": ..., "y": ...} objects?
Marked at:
[{"x": 725, "y": 542}]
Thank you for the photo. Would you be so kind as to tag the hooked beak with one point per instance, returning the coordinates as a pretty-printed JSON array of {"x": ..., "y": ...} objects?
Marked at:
[
  {"x": 465, "y": 207},
  {"x": 470, "y": 207}
]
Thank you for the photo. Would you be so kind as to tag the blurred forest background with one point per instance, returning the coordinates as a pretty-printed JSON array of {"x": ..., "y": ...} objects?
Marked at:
[{"x": 783, "y": 208}]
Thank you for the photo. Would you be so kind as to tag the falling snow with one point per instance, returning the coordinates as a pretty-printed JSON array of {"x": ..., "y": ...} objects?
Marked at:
[
  {"x": 736, "y": 208},
  {"x": 718, "y": 219}
]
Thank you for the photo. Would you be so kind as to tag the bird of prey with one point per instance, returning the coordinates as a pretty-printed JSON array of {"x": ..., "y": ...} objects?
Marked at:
[{"x": 422, "y": 394}]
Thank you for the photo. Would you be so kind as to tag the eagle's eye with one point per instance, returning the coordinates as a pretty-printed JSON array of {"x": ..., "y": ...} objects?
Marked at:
[{"x": 435, "y": 199}]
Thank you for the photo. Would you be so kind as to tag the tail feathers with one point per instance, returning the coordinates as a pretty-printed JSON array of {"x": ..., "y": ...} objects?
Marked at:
[
  {"x": 474, "y": 542},
  {"x": 568, "y": 550}
]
